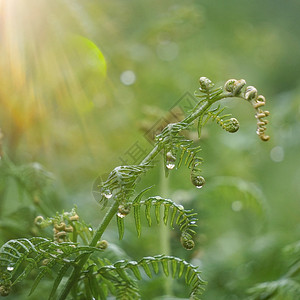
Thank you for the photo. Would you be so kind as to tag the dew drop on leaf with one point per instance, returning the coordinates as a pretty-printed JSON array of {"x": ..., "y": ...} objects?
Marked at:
[
  {"x": 120, "y": 215},
  {"x": 170, "y": 166}
]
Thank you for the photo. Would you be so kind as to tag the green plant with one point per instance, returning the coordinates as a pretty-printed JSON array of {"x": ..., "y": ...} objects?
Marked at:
[
  {"x": 77, "y": 252},
  {"x": 287, "y": 286}
]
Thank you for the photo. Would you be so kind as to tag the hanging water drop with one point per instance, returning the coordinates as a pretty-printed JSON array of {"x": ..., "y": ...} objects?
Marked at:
[
  {"x": 120, "y": 215},
  {"x": 197, "y": 180},
  {"x": 170, "y": 166},
  {"x": 170, "y": 159},
  {"x": 107, "y": 194},
  {"x": 90, "y": 229},
  {"x": 9, "y": 268}
]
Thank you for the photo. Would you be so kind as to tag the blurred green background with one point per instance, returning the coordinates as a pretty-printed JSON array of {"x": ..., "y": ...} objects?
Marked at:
[{"x": 81, "y": 83}]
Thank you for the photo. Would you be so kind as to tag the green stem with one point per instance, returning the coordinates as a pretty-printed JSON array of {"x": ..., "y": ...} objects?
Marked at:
[{"x": 72, "y": 281}]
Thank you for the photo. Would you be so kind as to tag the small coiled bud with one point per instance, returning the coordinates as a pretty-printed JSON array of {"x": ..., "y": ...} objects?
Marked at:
[
  {"x": 74, "y": 218},
  {"x": 39, "y": 220},
  {"x": 197, "y": 180},
  {"x": 60, "y": 226},
  {"x": 188, "y": 244},
  {"x": 102, "y": 244},
  {"x": 250, "y": 93},
  {"x": 229, "y": 85},
  {"x": 45, "y": 261},
  {"x": 69, "y": 228},
  {"x": 260, "y": 101},
  {"x": 232, "y": 125},
  {"x": 5, "y": 290},
  {"x": 237, "y": 87},
  {"x": 264, "y": 137},
  {"x": 205, "y": 84}
]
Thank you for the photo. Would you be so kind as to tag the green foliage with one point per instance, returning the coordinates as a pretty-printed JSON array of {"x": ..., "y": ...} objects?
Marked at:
[
  {"x": 57, "y": 109},
  {"x": 123, "y": 284},
  {"x": 19, "y": 257},
  {"x": 286, "y": 287},
  {"x": 92, "y": 276}
]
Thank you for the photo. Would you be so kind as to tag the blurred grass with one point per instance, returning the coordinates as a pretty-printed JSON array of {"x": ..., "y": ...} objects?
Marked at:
[{"x": 60, "y": 107}]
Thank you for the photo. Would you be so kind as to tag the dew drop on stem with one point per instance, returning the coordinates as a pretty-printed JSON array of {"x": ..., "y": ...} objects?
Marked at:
[
  {"x": 197, "y": 180},
  {"x": 170, "y": 159},
  {"x": 120, "y": 215},
  {"x": 107, "y": 194},
  {"x": 170, "y": 166}
]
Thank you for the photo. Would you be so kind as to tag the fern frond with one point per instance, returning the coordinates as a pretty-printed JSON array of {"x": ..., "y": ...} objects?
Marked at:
[
  {"x": 189, "y": 154},
  {"x": 19, "y": 257},
  {"x": 125, "y": 285},
  {"x": 185, "y": 219},
  {"x": 207, "y": 91},
  {"x": 225, "y": 121},
  {"x": 112, "y": 277},
  {"x": 120, "y": 184}
]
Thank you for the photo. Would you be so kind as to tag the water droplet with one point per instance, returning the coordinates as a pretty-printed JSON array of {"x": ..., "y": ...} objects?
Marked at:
[
  {"x": 90, "y": 229},
  {"x": 120, "y": 215},
  {"x": 170, "y": 158},
  {"x": 193, "y": 222},
  {"x": 180, "y": 207},
  {"x": 197, "y": 181},
  {"x": 9, "y": 268},
  {"x": 170, "y": 166},
  {"x": 107, "y": 194}
]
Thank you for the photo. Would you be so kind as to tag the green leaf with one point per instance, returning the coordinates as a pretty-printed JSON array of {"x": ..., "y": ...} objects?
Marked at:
[
  {"x": 166, "y": 212},
  {"x": 134, "y": 268},
  {"x": 120, "y": 224},
  {"x": 58, "y": 280},
  {"x": 137, "y": 218},
  {"x": 147, "y": 269},
  {"x": 165, "y": 266}
]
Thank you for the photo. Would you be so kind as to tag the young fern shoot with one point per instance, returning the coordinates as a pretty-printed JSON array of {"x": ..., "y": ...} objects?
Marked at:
[{"x": 95, "y": 277}]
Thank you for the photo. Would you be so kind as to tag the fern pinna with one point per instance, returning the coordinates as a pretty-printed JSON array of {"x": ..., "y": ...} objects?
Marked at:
[{"x": 75, "y": 253}]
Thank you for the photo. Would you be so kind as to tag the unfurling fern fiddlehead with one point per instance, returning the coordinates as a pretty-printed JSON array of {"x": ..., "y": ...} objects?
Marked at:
[{"x": 96, "y": 275}]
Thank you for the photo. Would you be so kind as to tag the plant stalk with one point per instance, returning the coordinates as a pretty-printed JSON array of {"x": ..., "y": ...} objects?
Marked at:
[{"x": 72, "y": 281}]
